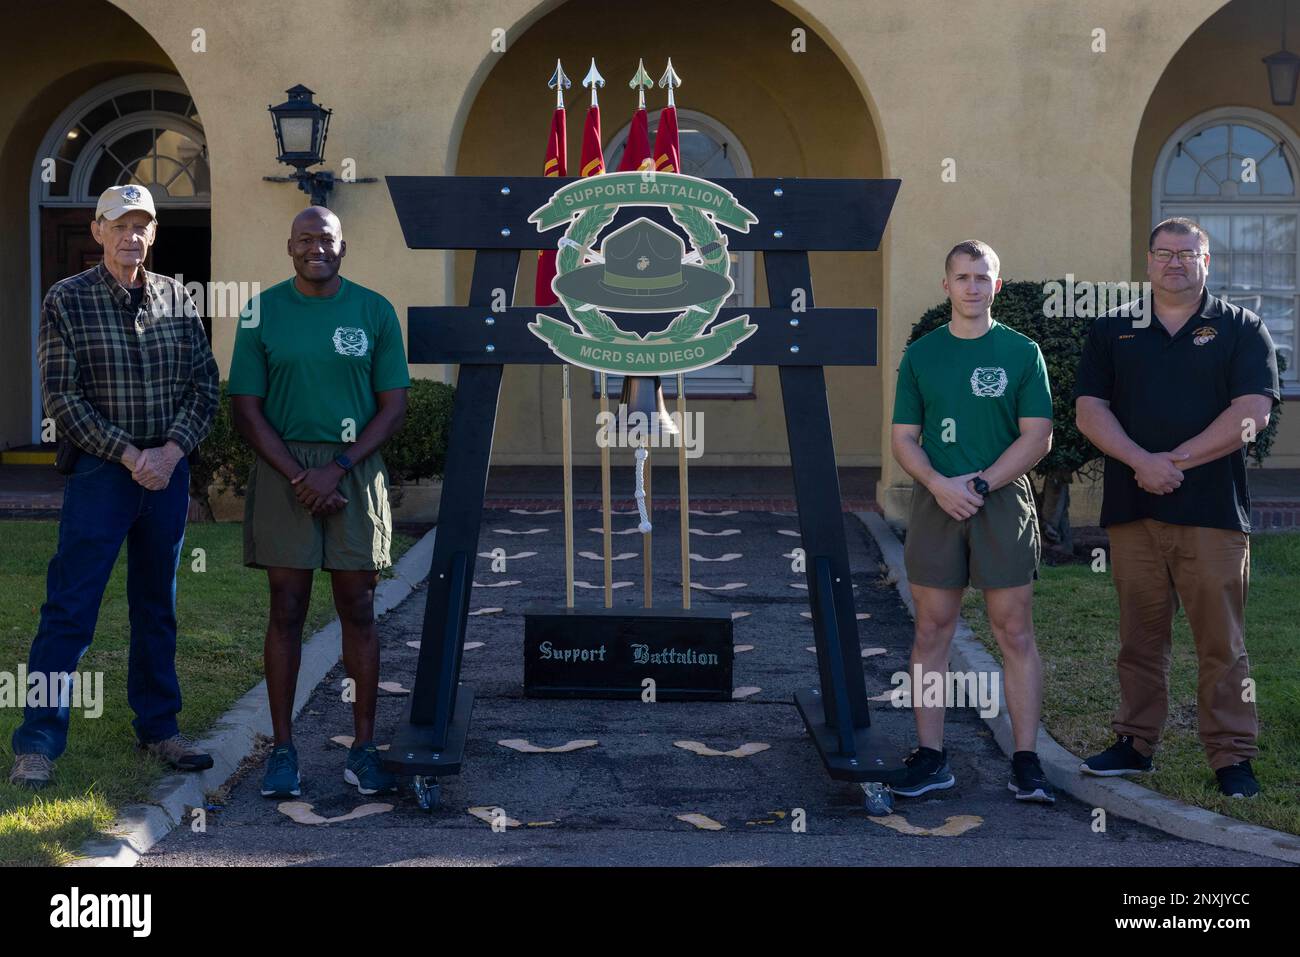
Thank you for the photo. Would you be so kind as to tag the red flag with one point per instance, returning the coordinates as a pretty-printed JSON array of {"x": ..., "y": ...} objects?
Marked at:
[
  {"x": 667, "y": 153},
  {"x": 593, "y": 157},
  {"x": 636, "y": 154},
  {"x": 557, "y": 164}
]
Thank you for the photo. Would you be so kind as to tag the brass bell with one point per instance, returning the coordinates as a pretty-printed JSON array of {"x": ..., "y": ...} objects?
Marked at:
[{"x": 645, "y": 394}]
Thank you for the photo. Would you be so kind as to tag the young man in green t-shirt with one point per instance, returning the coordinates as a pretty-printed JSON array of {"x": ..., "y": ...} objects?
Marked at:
[
  {"x": 318, "y": 384},
  {"x": 972, "y": 415}
]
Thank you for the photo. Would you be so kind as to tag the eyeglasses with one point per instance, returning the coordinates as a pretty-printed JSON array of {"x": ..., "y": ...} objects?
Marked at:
[{"x": 1184, "y": 255}]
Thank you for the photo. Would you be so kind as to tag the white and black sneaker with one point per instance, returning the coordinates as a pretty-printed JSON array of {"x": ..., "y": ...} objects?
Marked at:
[
  {"x": 1120, "y": 758},
  {"x": 1028, "y": 780},
  {"x": 927, "y": 770}
]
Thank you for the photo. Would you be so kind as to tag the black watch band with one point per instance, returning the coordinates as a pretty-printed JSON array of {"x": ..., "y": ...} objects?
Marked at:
[
  {"x": 981, "y": 486},
  {"x": 343, "y": 462}
]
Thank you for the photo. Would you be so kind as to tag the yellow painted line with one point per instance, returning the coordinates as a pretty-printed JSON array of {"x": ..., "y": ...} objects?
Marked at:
[{"x": 27, "y": 458}]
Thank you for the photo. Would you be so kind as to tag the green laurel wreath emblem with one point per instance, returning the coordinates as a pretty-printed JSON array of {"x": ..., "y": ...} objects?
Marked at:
[{"x": 653, "y": 354}]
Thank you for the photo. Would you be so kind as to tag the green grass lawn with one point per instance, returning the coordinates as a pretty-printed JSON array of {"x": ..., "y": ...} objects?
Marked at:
[
  {"x": 222, "y": 619},
  {"x": 1076, "y": 624}
]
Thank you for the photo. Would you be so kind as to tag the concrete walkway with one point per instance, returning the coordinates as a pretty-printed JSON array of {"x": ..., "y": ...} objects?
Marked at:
[{"x": 621, "y": 801}]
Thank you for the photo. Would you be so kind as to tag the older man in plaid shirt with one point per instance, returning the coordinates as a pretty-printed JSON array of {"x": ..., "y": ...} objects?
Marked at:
[{"x": 130, "y": 382}]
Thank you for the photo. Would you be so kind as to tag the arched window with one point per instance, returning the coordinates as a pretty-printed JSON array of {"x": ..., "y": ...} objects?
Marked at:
[
  {"x": 1235, "y": 172},
  {"x": 144, "y": 131},
  {"x": 708, "y": 150}
]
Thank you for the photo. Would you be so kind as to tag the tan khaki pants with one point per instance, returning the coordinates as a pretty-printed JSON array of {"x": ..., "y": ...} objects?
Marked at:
[{"x": 1155, "y": 565}]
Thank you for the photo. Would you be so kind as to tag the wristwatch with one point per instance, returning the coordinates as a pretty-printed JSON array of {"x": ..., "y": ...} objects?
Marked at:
[
  {"x": 981, "y": 487},
  {"x": 343, "y": 462}
]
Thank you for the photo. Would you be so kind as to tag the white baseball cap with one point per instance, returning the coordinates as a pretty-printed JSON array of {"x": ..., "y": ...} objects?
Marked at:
[{"x": 116, "y": 200}]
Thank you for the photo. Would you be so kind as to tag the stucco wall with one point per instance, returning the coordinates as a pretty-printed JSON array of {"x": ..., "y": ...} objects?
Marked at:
[{"x": 1042, "y": 130}]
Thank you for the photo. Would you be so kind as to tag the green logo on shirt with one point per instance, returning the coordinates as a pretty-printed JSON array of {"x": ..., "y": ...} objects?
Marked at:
[
  {"x": 988, "y": 381},
  {"x": 350, "y": 341}
]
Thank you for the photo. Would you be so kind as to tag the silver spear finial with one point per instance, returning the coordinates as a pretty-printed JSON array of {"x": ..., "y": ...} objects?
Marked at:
[
  {"x": 670, "y": 79},
  {"x": 641, "y": 82},
  {"x": 593, "y": 79},
  {"x": 559, "y": 83}
]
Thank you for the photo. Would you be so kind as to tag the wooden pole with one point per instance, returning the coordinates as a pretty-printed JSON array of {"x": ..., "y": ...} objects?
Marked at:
[
  {"x": 604, "y": 486},
  {"x": 684, "y": 503},
  {"x": 567, "y": 444},
  {"x": 647, "y": 559}
]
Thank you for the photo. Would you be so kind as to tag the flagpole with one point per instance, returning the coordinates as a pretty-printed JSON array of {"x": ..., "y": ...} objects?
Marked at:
[
  {"x": 604, "y": 496},
  {"x": 567, "y": 445},
  {"x": 682, "y": 496},
  {"x": 647, "y": 556},
  {"x": 591, "y": 139}
]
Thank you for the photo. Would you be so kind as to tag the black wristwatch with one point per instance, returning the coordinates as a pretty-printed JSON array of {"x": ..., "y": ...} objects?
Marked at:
[
  {"x": 343, "y": 462},
  {"x": 981, "y": 487}
]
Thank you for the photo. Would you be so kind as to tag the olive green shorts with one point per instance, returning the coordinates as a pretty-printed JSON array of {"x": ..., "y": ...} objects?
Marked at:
[
  {"x": 997, "y": 547},
  {"x": 279, "y": 532}
]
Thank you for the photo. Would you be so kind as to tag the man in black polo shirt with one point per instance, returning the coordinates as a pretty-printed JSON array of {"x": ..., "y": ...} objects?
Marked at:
[{"x": 1171, "y": 388}]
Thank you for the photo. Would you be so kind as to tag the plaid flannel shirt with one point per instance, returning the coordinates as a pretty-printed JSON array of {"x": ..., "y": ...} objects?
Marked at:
[{"x": 111, "y": 378}]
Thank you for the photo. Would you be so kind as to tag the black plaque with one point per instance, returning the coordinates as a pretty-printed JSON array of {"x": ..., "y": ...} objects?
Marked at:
[{"x": 609, "y": 652}]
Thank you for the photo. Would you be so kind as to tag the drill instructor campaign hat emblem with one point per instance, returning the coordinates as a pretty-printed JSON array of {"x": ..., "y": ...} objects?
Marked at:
[
  {"x": 642, "y": 267},
  {"x": 118, "y": 200},
  {"x": 643, "y": 271}
]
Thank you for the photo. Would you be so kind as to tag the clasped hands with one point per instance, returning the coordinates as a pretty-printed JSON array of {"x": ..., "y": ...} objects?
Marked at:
[
  {"x": 318, "y": 489},
  {"x": 956, "y": 494},
  {"x": 1157, "y": 472},
  {"x": 153, "y": 468}
]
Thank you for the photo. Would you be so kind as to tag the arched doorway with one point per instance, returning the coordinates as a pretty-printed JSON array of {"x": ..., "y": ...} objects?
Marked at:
[
  {"x": 1213, "y": 146},
  {"x": 142, "y": 129},
  {"x": 796, "y": 114}
]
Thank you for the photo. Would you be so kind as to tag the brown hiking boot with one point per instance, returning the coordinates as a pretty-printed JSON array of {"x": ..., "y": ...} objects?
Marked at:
[
  {"x": 31, "y": 771},
  {"x": 180, "y": 753}
]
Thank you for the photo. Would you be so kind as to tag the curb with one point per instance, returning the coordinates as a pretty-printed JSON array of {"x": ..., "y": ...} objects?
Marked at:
[
  {"x": 139, "y": 827},
  {"x": 1115, "y": 795}
]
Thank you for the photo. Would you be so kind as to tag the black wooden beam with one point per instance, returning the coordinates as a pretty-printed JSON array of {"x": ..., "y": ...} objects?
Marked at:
[
  {"x": 491, "y": 212},
  {"x": 831, "y": 337}
]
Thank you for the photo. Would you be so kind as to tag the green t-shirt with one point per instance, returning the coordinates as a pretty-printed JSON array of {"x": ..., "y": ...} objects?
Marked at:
[
  {"x": 318, "y": 362},
  {"x": 968, "y": 395}
]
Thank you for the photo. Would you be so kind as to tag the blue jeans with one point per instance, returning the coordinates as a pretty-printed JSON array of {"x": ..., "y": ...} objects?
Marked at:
[{"x": 103, "y": 507}]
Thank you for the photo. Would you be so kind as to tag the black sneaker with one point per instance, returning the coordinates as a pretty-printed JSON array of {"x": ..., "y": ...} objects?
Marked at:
[
  {"x": 927, "y": 770},
  {"x": 1028, "y": 780},
  {"x": 1237, "y": 780},
  {"x": 1120, "y": 758}
]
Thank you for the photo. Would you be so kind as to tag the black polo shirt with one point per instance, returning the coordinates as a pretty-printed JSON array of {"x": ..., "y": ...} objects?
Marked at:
[{"x": 1166, "y": 389}]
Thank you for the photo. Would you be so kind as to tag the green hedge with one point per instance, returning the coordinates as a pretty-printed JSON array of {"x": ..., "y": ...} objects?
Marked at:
[
  {"x": 417, "y": 451},
  {"x": 1020, "y": 305}
]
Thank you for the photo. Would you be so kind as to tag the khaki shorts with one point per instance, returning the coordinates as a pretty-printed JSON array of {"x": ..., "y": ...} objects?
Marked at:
[
  {"x": 997, "y": 547},
  {"x": 280, "y": 533}
]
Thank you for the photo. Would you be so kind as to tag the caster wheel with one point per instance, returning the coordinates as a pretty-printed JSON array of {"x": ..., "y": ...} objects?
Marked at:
[
  {"x": 878, "y": 799},
  {"x": 426, "y": 792}
]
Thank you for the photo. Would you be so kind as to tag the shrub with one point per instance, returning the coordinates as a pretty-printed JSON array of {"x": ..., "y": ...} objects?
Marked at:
[
  {"x": 223, "y": 458},
  {"x": 1020, "y": 306},
  {"x": 417, "y": 451}
]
